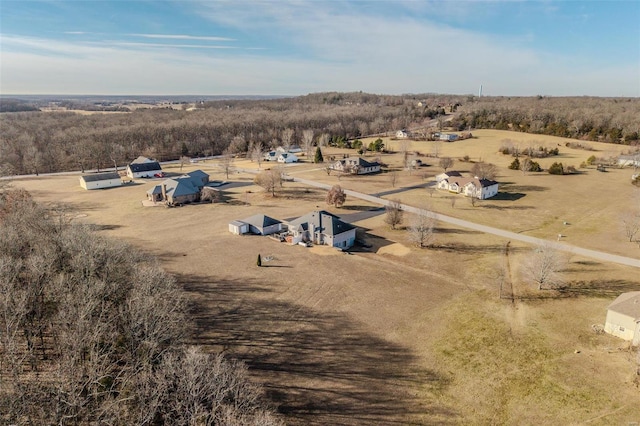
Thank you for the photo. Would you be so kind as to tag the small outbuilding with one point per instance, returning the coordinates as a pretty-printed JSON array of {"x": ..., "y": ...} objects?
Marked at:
[
  {"x": 259, "y": 224},
  {"x": 100, "y": 180},
  {"x": 238, "y": 227},
  {"x": 623, "y": 317}
]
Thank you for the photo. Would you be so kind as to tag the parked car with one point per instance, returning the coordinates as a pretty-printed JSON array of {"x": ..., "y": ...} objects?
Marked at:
[{"x": 159, "y": 175}]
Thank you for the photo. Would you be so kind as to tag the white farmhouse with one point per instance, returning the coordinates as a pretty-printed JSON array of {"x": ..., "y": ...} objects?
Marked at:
[
  {"x": 480, "y": 188},
  {"x": 623, "y": 317},
  {"x": 468, "y": 186}
]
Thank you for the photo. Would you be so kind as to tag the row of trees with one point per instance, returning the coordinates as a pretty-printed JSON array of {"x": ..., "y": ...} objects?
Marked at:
[
  {"x": 36, "y": 142},
  {"x": 614, "y": 120},
  {"x": 93, "y": 332}
]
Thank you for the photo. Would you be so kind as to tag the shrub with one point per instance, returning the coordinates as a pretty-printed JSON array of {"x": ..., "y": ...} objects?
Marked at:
[
  {"x": 534, "y": 167},
  {"x": 556, "y": 169},
  {"x": 591, "y": 160},
  {"x": 515, "y": 164}
]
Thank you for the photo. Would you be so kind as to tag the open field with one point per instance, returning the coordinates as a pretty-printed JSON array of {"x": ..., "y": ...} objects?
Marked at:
[{"x": 393, "y": 334}]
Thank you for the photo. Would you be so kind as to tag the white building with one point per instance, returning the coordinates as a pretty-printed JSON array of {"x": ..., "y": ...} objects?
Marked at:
[
  {"x": 623, "y": 317},
  {"x": 286, "y": 157},
  {"x": 100, "y": 180}
]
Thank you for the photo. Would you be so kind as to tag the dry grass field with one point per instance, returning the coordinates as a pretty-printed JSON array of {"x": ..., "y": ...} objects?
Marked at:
[{"x": 392, "y": 334}]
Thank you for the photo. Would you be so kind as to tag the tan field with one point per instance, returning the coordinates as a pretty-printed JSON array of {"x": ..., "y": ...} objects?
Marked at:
[{"x": 394, "y": 334}]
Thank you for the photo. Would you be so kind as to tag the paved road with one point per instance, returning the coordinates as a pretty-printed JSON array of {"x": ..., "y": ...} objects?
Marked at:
[{"x": 607, "y": 257}]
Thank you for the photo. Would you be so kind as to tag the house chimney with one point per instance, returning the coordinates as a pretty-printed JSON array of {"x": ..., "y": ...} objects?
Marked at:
[{"x": 164, "y": 192}]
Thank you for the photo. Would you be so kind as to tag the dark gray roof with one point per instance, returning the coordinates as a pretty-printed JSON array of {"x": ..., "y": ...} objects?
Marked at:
[
  {"x": 260, "y": 220},
  {"x": 327, "y": 223},
  {"x": 94, "y": 177},
  {"x": 144, "y": 167}
]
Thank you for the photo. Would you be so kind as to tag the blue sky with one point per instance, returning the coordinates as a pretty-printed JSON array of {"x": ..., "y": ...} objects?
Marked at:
[{"x": 512, "y": 48}]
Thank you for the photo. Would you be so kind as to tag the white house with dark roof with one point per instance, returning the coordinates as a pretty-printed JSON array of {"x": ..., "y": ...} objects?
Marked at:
[
  {"x": 322, "y": 227},
  {"x": 356, "y": 166},
  {"x": 447, "y": 175},
  {"x": 142, "y": 159},
  {"x": 480, "y": 188},
  {"x": 287, "y": 157},
  {"x": 142, "y": 170},
  {"x": 100, "y": 180},
  {"x": 623, "y": 317},
  {"x": 468, "y": 186}
]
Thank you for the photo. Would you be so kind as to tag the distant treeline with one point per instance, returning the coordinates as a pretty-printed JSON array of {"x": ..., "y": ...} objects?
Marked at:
[
  {"x": 39, "y": 142},
  {"x": 613, "y": 120}
]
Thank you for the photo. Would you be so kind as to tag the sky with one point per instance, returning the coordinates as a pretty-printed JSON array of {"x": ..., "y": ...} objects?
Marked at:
[{"x": 251, "y": 47}]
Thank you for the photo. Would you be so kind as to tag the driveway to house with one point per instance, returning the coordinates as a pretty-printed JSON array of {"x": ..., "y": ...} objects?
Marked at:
[{"x": 606, "y": 257}]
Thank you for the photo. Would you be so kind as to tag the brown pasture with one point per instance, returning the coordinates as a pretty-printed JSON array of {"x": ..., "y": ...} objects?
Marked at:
[{"x": 392, "y": 334}]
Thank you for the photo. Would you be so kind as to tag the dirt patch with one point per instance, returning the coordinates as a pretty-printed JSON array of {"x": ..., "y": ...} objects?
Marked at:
[{"x": 395, "y": 249}]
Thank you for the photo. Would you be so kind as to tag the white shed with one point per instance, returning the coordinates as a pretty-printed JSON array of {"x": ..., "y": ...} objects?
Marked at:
[
  {"x": 238, "y": 227},
  {"x": 623, "y": 317},
  {"x": 100, "y": 180}
]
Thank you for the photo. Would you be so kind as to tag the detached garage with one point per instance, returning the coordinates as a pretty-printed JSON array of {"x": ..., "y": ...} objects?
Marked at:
[
  {"x": 257, "y": 224},
  {"x": 623, "y": 317},
  {"x": 238, "y": 227},
  {"x": 100, "y": 180}
]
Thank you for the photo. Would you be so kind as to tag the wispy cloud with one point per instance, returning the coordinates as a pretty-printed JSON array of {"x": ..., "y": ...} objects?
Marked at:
[
  {"x": 175, "y": 46},
  {"x": 182, "y": 37},
  {"x": 300, "y": 47}
]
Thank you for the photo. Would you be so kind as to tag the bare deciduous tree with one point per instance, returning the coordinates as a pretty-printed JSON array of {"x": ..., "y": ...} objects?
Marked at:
[
  {"x": 446, "y": 162},
  {"x": 270, "y": 180},
  {"x": 238, "y": 145},
  {"x": 287, "y": 138},
  {"x": 631, "y": 225},
  {"x": 336, "y": 196},
  {"x": 393, "y": 178},
  {"x": 307, "y": 142},
  {"x": 484, "y": 170},
  {"x": 422, "y": 228},
  {"x": 403, "y": 147},
  {"x": 394, "y": 214},
  {"x": 225, "y": 162},
  {"x": 543, "y": 266},
  {"x": 323, "y": 140},
  {"x": 257, "y": 153}
]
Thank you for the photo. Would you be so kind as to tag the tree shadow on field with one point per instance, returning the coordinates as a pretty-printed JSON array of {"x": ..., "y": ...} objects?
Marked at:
[
  {"x": 472, "y": 249},
  {"x": 319, "y": 368},
  {"x": 598, "y": 288},
  {"x": 507, "y": 196},
  {"x": 523, "y": 188}
]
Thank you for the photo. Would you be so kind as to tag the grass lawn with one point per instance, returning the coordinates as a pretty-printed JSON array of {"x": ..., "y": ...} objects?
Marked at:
[{"x": 393, "y": 334}]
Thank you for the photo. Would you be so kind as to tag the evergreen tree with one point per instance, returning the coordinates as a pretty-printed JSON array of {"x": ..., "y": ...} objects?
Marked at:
[
  {"x": 318, "y": 157},
  {"x": 259, "y": 260}
]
